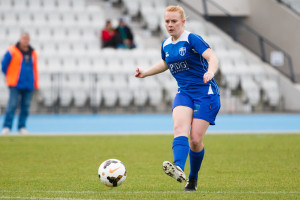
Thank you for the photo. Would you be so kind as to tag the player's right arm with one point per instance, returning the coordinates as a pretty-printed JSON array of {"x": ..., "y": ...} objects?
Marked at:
[
  {"x": 159, "y": 67},
  {"x": 6, "y": 61}
]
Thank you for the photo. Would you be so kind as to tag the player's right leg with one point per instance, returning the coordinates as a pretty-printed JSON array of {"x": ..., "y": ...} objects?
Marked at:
[
  {"x": 182, "y": 119},
  {"x": 11, "y": 108}
]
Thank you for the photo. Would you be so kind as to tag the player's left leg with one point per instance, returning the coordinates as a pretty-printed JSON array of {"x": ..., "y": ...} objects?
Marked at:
[
  {"x": 206, "y": 109},
  {"x": 196, "y": 153},
  {"x": 26, "y": 97}
]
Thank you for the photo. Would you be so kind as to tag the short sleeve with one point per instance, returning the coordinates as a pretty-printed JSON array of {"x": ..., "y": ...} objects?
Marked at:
[
  {"x": 162, "y": 51},
  {"x": 198, "y": 43}
]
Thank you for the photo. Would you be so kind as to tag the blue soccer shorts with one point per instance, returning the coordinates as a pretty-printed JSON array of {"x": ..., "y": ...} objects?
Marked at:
[{"x": 205, "y": 107}]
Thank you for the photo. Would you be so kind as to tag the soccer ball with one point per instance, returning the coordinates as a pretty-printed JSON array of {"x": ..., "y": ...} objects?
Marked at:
[{"x": 112, "y": 173}]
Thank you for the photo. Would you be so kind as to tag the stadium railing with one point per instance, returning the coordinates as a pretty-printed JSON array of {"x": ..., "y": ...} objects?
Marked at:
[{"x": 291, "y": 6}]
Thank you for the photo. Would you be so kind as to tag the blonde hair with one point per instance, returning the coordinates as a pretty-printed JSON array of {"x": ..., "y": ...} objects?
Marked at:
[{"x": 176, "y": 9}]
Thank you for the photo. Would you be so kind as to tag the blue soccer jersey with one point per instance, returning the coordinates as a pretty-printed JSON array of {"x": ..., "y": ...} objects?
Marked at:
[{"x": 185, "y": 62}]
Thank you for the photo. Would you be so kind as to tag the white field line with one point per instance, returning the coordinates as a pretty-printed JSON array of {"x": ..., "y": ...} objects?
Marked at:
[
  {"x": 150, "y": 192},
  {"x": 45, "y": 198}
]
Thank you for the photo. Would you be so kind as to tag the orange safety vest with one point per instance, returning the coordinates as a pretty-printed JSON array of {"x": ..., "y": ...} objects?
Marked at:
[{"x": 14, "y": 67}]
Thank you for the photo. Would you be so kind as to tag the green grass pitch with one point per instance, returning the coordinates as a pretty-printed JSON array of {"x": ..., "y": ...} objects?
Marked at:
[{"x": 258, "y": 166}]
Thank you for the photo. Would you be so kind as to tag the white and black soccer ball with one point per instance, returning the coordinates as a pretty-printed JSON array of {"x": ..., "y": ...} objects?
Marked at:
[{"x": 112, "y": 173}]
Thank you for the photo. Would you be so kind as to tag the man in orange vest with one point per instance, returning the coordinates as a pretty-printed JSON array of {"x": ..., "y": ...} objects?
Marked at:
[{"x": 19, "y": 65}]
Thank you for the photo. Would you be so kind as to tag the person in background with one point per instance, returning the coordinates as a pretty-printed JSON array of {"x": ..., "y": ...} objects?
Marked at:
[
  {"x": 126, "y": 35},
  {"x": 19, "y": 65},
  {"x": 109, "y": 36}
]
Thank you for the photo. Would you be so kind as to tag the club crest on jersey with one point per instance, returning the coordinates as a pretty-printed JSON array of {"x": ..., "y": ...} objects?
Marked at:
[
  {"x": 182, "y": 51},
  {"x": 167, "y": 54}
]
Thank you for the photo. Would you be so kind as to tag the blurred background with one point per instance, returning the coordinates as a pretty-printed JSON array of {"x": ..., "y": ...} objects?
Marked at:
[{"x": 257, "y": 43}]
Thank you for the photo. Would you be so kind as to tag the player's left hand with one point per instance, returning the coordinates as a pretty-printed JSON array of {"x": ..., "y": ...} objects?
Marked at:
[{"x": 208, "y": 76}]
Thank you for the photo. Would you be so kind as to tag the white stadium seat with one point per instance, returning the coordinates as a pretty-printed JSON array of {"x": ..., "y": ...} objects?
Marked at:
[
  {"x": 60, "y": 34},
  {"x": 39, "y": 18},
  {"x": 6, "y": 4},
  {"x": 251, "y": 91},
  {"x": 66, "y": 91},
  {"x": 140, "y": 94},
  {"x": 54, "y": 18},
  {"x": 132, "y": 6},
  {"x": 78, "y": 5},
  {"x": 74, "y": 33},
  {"x": 49, "y": 5},
  {"x": 69, "y": 19},
  {"x": 10, "y": 18},
  {"x": 25, "y": 19},
  {"x": 4, "y": 91},
  {"x": 109, "y": 91},
  {"x": 20, "y": 5},
  {"x": 34, "y": 5},
  {"x": 64, "y": 5}
]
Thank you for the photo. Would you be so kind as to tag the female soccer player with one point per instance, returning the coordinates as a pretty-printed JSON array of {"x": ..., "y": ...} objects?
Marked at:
[{"x": 193, "y": 64}]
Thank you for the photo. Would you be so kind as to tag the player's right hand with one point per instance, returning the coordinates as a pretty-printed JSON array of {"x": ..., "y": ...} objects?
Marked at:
[{"x": 140, "y": 72}]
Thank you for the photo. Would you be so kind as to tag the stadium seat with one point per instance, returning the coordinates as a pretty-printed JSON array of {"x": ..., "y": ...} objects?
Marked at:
[
  {"x": 49, "y": 5},
  {"x": 44, "y": 34},
  {"x": 3, "y": 33},
  {"x": 80, "y": 88},
  {"x": 140, "y": 95},
  {"x": 78, "y": 5},
  {"x": 69, "y": 19},
  {"x": 132, "y": 7},
  {"x": 34, "y": 5},
  {"x": 39, "y": 18},
  {"x": 160, "y": 4},
  {"x": 74, "y": 34},
  {"x": 88, "y": 34},
  {"x": 6, "y": 4},
  {"x": 109, "y": 91},
  {"x": 60, "y": 35},
  {"x": 124, "y": 94},
  {"x": 21, "y": 5},
  {"x": 54, "y": 19},
  {"x": 48, "y": 92},
  {"x": 69, "y": 64},
  {"x": 4, "y": 91},
  {"x": 154, "y": 91},
  {"x": 250, "y": 90},
  {"x": 65, "y": 95},
  {"x": 64, "y": 5},
  {"x": 79, "y": 49},
  {"x": 98, "y": 64},
  {"x": 14, "y": 33},
  {"x": 49, "y": 48},
  {"x": 196, "y": 27},
  {"x": 9, "y": 18},
  {"x": 151, "y": 18},
  {"x": 25, "y": 19},
  {"x": 271, "y": 92},
  {"x": 93, "y": 48},
  {"x": 171, "y": 89},
  {"x": 95, "y": 94},
  {"x": 83, "y": 19}
]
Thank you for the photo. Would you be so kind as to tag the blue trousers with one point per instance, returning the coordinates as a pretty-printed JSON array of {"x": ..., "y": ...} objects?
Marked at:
[{"x": 16, "y": 95}]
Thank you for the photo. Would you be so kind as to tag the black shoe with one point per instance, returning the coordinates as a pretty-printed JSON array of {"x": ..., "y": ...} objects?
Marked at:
[{"x": 191, "y": 185}]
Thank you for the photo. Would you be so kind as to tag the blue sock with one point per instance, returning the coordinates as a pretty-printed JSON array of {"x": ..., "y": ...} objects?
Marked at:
[
  {"x": 195, "y": 163},
  {"x": 180, "y": 150}
]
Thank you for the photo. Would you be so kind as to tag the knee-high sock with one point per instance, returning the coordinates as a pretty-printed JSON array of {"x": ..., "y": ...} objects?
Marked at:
[
  {"x": 180, "y": 150},
  {"x": 195, "y": 163}
]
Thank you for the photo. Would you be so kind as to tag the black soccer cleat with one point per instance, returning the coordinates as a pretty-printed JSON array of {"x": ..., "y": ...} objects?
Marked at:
[{"x": 191, "y": 185}]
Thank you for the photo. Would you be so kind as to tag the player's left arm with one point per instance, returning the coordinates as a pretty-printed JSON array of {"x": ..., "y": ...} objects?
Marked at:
[{"x": 213, "y": 63}]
